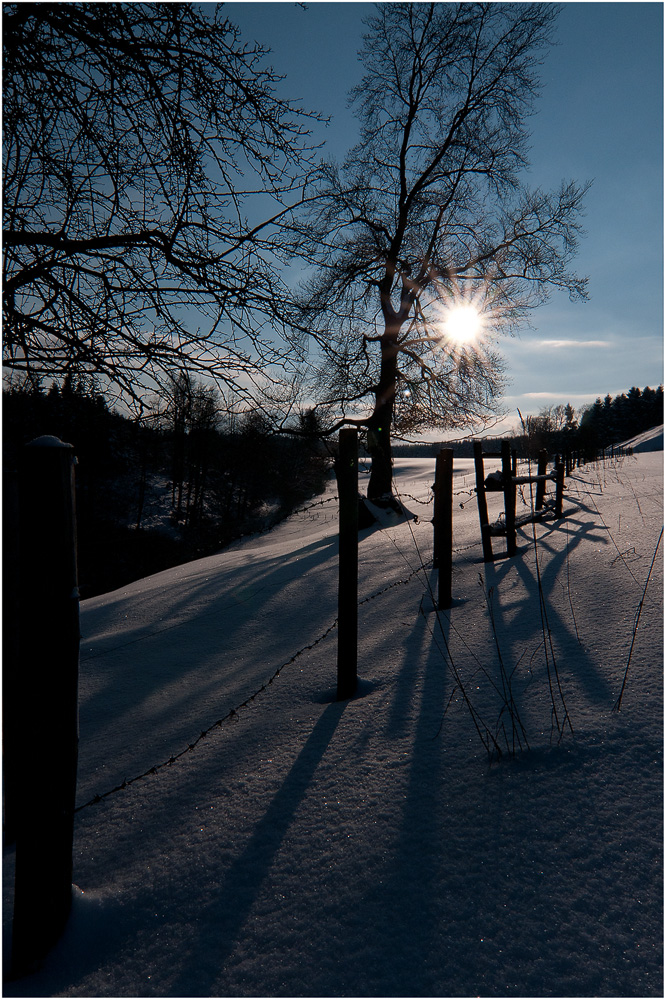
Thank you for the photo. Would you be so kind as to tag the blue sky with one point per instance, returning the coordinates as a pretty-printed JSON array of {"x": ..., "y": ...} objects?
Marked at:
[{"x": 600, "y": 118}]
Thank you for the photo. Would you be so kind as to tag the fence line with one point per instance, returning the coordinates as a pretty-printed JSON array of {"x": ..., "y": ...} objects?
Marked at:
[{"x": 423, "y": 567}]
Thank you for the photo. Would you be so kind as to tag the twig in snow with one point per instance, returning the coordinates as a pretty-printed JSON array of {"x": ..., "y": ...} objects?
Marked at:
[
  {"x": 573, "y": 613},
  {"x": 509, "y": 705},
  {"x": 552, "y": 673},
  {"x": 618, "y": 703}
]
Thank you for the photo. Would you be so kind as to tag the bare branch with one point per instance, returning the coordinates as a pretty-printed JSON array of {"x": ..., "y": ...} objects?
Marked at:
[{"x": 126, "y": 248}]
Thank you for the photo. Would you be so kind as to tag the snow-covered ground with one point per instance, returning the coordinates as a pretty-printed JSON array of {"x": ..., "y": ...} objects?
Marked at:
[{"x": 304, "y": 847}]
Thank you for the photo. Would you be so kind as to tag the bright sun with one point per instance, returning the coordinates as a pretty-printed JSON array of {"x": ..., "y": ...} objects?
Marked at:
[{"x": 463, "y": 323}]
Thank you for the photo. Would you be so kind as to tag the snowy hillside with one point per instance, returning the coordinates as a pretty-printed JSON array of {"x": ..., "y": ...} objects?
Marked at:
[
  {"x": 652, "y": 440},
  {"x": 303, "y": 847}
]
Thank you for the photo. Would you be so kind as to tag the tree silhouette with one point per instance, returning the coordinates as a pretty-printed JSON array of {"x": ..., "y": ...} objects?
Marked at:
[
  {"x": 427, "y": 215},
  {"x": 133, "y": 135}
]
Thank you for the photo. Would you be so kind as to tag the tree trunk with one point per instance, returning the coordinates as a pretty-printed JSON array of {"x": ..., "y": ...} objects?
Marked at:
[{"x": 379, "y": 426}]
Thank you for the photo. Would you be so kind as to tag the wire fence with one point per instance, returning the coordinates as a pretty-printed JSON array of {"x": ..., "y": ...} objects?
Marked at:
[{"x": 491, "y": 734}]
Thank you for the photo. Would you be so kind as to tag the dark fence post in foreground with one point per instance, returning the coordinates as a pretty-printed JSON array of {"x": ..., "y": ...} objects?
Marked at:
[
  {"x": 559, "y": 489},
  {"x": 45, "y": 698},
  {"x": 11, "y": 724},
  {"x": 482, "y": 502},
  {"x": 509, "y": 499},
  {"x": 348, "y": 570},
  {"x": 443, "y": 525},
  {"x": 541, "y": 483}
]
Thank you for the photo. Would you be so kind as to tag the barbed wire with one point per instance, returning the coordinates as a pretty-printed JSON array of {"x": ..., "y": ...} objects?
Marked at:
[
  {"x": 318, "y": 503},
  {"x": 425, "y": 503},
  {"x": 281, "y": 518},
  {"x": 232, "y": 714}
]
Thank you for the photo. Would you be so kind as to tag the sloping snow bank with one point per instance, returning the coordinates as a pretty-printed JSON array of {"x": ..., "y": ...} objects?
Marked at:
[
  {"x": 652, "y": 440},
  {"x": 370, "y": 848}
]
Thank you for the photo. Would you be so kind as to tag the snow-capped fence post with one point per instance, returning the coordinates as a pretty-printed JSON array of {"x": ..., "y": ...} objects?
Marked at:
[
  {"x": 541, "y": 483},
  {"x": 443, "y": 525},
  {"x": 45, "y": 697},
  {"x": 482, "y": 502},
  {"x": 509, "y": 499},
  {"x": 348, "y": 563}
]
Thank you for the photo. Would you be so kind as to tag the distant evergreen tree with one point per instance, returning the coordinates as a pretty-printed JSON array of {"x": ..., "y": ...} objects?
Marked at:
[{"x": 570, "y": 421}]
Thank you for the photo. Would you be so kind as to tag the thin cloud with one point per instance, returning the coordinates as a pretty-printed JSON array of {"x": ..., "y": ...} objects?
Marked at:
[
  {"x": 556, "y": 345},
  {"x": 560, "y": 396}
]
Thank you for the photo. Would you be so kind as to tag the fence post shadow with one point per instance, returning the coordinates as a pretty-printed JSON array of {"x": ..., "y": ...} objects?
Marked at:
[
  {"x": 224, "y": 917},
  {"x": 406, "y": 894}
]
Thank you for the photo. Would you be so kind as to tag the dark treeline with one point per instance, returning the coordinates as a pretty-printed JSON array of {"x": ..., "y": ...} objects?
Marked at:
[
  {"x": 180, "y": 483},
  {"x": 613, "y": 420},
  {"x": 558, "y": 428},
  {"x": 188, "y": 478}
]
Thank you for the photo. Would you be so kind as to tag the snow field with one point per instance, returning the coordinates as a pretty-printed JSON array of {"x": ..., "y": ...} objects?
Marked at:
[{"x": 369, "y": 848}]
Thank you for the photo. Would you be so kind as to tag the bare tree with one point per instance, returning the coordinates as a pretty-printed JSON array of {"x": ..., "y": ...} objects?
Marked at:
[
  {"x": 426, "y": 232},
  {"x": 134, "y": 134},
  {"x": 190, "y": 411}
]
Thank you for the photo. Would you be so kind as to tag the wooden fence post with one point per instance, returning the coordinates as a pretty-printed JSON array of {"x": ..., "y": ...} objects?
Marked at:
[
  {"x": 11, "y": 723},
  {"x": 559, "y": 489},
  {"x": 348, "y": 564},
  {"x": 443, "y": 525},
  {"x": 45, "y": 697},
  {"x": 483, "y": 505},
  {"x": 509, "y": 499},
  {"x": 541, "y": 483}
]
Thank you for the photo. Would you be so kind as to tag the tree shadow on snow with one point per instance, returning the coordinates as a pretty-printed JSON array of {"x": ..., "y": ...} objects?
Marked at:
[{"x": 402, "y": 910}]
